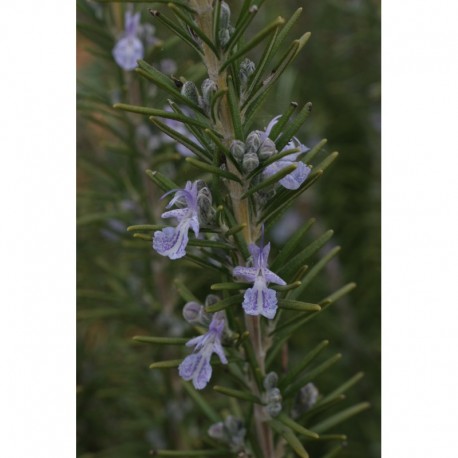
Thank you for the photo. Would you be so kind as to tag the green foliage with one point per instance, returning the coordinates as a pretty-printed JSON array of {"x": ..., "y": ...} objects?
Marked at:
[{"x": 127, "y": 292}]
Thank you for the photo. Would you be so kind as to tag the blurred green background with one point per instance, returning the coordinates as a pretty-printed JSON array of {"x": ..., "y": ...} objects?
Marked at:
[{"x": 124, "y": 408}]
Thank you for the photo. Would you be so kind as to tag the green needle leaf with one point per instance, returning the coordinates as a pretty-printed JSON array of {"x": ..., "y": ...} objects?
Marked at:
[
  {"x": 190, "y": 23},
  {"x": 221, "y": 305},
  {"x": 160, "y": 340},
  {"x": 176, "y": 30},
  {"x": 340, "y": 417},
  {"x": 290, "y": 437},
  {"x": 166, "y": 184},
  {"x": 194, "y": 147},
  {"x": 291, "y": 246},
  {"x": 297, "y": 305},
  {"x": 254, "y": 42},
  {"x": 212, "y": 169},
  {"x": 310, "y": 376},
  {"x": 245, "y": 396},
  {"x": 272, "y": 180},
  {"x": 342, "y": 389},
  {"x": 313, "y": 272},
  {"x": 160, "y": 114},
  {"x": 229, "y": 286},
  {"x": 234, "y": 109},
  {"x": 296, "y": 427},
  {"x": 165, "y": 364},
  {"x": 311, "y": 355}
]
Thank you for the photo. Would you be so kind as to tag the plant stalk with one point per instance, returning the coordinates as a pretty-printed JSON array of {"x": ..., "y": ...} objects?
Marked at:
[{"x": 204, "y": 19}]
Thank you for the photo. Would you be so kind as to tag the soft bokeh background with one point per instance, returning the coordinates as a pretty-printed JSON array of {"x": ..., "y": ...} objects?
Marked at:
[{"x": 124, "y": 409}]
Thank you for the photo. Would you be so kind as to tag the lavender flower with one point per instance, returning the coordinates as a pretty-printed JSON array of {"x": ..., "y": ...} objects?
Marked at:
[
  {"x": 129, "y": 48},
  {"x": 197, "y": 367},
  {"x": 294, "y": 179},
  {"x": 259, "y": 300},
  {"x": 172, "y": 241}
]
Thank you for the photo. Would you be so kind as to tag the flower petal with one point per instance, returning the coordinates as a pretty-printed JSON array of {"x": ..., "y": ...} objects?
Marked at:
[
  {"x": 127, "y": 51},
  {"x": 260, "y": 300},
  {"x": 297, "y": 177},
  {"x": 272, "y": 277},
  {"x": 188, "y": 366},
  {"x": 202, "y": 373},
  {"x": 171, "y": 242},
  {"x": 245, "y": 273},
  {"x": 178, "y": 213}
]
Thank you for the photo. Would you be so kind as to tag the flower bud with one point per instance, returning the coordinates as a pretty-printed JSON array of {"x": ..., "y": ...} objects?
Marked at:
[
  {"x": 237, "y": 150},
  {"x": 194, "y": 313},
  {"x": 189, "y": 90},
  {"x": 305, "y": 399},
  {"x": 204, "y": 205},
  {"x": 247, "y": 68},
  {"x": 217, "y": 431},
  {"x": 225, "y": 16},
  {"x": 250, "y": 162},
  {"x": 253, "y": 142},
  {"x": 208, "y": 88},
  {"x": 211, "y": 299},
  {"x": 273, "y": 395},
  {"x": 270, "y": 380},
  {"x": 267, "y": 149},
  {"x": 274, "y": 409},
  {"x": 224, "y": 36}
]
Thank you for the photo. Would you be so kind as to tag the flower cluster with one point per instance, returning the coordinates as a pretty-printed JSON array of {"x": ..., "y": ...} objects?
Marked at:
[
  {"x": 259, "y": 147},
  {"x": 196, "y": 366}
]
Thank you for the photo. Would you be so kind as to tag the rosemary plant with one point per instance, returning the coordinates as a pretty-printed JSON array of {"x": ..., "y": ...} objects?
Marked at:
[{"x": 237, "y": 182}]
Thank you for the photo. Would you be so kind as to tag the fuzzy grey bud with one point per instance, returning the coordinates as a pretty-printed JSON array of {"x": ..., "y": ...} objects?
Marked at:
[
  {"x": 217, "y": 431},
  {"x": 194, "y": 313},
  {"x": 225, "y": 16},
  {"x": 305, "y": 399},
  {"x": 247, "y": 68},
  {"x": 189, "y": 90},
  {"x": 208, "y": 88},
  {"x": 250, "y": 162},
  {"x": 211, "y": 299},
  {"x": 270, "y": 380},
  {"x": 274, "y": 395},
  {"x": 253, "y": 142},
  {"x": 224, "y": 36},
  {"x": 267, "y": 149},
  {"x": 237, "y": 150},
  {"x": 232, "y": 432},
  {"x": 204, "y": 205},
  {"x": 274, "y": 409}
]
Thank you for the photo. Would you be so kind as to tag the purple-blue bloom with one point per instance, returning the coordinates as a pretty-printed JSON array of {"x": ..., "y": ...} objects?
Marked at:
[
  {"x": 259, "y": 300},
  {"x": 196, "y": 366},
  {"x": 172, "y": 241},
  {"x": 294, "y": 179},
  {"x": 129, "y": 48}
]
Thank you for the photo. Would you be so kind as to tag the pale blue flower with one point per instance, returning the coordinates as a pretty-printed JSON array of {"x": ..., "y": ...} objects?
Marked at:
[
  {"x": 196, "y": 366},
  {"x": 294, "y": 179},
  {"x": 259, "y": 300},
  {"x": 129, "y": 47},
  {"x": 172, "y": 241}
]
